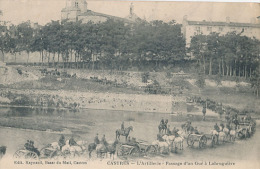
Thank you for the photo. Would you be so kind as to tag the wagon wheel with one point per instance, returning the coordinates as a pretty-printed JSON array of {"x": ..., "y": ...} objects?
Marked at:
[
  {"x": 119, "y": 151},
  {"x": 56, "y": 154},
  {"x": 241, "y": 133},
  {"x": 44, "y": 153},
  {"x": 66, "y": 154},
  {"x": 151, "y": 150},
  {"x": 18, "y": 154},
  {"x": 213, "y": 140},
  {"x": 32, "y": 155},
  {"x": 202, "y": 141},
  {"x": 190, "y": 140},
  {"x": 135, "y": 151}
]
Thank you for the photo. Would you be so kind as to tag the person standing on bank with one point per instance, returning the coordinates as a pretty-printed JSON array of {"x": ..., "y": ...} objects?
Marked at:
[{"x": 204, "y": 110}]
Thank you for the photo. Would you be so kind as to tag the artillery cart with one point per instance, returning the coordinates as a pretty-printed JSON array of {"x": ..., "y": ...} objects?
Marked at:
[
  {"x": 136, "y": 149},
  {"x": 26, "y": 154},
  {"x": 201, "y": 139}
]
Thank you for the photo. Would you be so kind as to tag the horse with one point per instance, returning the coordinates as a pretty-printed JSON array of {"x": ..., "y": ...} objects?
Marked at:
[
  {"x": 73, "y": 150},
  {"x": 162, "y": 145},
  {"x": 101, "y": 149},
  {"x": 163, "y": 126},
  {"x": 91, "y": 147},
  {"x": 215, "y": 135},
  {"x": 110, "y": 148},
  {"x": 2, "y": 151},
  {"x": 232, "y": 134},
  {"x": 123, "y": 133},
  {"x": 222, "y": 136}
]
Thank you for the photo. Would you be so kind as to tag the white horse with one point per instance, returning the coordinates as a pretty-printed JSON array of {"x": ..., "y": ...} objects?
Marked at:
[
  {"x": 55, "y": 146},
  {"x": 162, "y": 145},
  {"x": 75, "y": 149},
  {"x": 101, "y": 149},
  {"x": 222, "y": 136},
  {"x": 179, "y": 141},
  {"x": 232, "y": 135}
]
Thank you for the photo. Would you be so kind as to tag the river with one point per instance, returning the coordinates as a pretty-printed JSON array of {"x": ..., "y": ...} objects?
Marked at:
[{"x": 86, "y": 123}]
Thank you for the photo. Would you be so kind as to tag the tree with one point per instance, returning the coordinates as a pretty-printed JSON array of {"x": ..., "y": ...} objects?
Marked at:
[
  {"x": 255, "y": 82},
  {"x": 24, "y": 37}
]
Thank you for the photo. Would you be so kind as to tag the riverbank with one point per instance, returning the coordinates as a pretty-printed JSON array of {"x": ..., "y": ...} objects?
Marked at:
[{"x": 89, "y": 100}]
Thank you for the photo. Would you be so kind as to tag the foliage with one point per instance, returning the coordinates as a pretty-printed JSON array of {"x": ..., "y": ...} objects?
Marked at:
[
  {"x": 154, "y": 88},
  {"x": 112, "y": 43}
]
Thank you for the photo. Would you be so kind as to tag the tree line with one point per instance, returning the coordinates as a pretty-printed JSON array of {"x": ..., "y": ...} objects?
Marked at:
[
  {"x": 112, "y": 44},
  {"x": 226, "y": 55}
]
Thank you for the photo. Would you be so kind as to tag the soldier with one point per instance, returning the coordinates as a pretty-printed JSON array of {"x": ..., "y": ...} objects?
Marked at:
[
  {"x": 96, "y": 140},
  {"x": 103, "y": 140},
  {"x": 72, "y": 142},
  {"x": 61, "y": 141},
  {"x": 204, "y": 112},
  {"x": 162, "y": 122},
  {"x": 196, "y": 131},
  {"x": 216, "y": 127},
  {"x": 123, "y": 126},
  {"x": 168, "y": 132}
]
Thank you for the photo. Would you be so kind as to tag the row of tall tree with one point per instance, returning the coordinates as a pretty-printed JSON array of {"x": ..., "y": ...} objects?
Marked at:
[
  {"x": 115, "y": 44},
  {"x": 226, "y": 55},
  {"x": 111, "y": 43}
]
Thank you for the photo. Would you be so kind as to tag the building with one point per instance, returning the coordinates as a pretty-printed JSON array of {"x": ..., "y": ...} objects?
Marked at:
[
  {"x": 192, "y": 28},
  {"x": 78, "y": 10}
]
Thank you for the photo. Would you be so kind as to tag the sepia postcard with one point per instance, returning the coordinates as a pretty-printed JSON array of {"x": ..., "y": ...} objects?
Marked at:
[{"x": 129, "y": 84}]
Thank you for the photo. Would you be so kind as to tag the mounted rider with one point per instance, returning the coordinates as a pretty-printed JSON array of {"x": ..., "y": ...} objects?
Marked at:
[
  {"x": 29, "y": 145},
  {"x": 96, "y": 139},
  {"x": 72, "y": 141},
  {"x": 175, "y": 132},
  {"x": 61, "y": 141},
  {"x": 162, "y": 122},
  {"x": 228, "y": 126},
  {"x": 103, "y": 140},
  {"x": 196, "y": 131},
  {"x": 123, "y": 127},
  {"x": 222, "y": 126},
  {"x": 216, "y": 127}
]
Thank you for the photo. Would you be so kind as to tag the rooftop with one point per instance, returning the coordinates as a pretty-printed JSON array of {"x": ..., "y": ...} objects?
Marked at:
[{"x": 235, "y": 24}]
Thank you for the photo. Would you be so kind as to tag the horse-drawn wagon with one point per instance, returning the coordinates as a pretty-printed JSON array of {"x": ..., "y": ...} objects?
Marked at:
[
  {"x": 26, "y": 154},
  {"x": 50, "y": 152},
  {"x": 200, "y": 138},
  {"x": 136, "y": 149}
]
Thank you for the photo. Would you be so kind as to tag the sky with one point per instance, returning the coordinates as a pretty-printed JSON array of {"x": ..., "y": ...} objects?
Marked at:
[{"x": 43, "y": 11}]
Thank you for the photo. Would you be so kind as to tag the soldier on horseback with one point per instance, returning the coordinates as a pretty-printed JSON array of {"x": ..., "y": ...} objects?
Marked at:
[
  {"x": 61, "y": 141},
  {"x": 72, "y": 141},
  {"x": 123, "y": 127},
  {"x": 196, "y": 131},
  {"x": 175, "y": 132},
  {"x": 96, "y": 140},
  {"x": 162, "y": 122},
  {"x": 216, "y": 127},
  {"x": 104, "y": 141}
]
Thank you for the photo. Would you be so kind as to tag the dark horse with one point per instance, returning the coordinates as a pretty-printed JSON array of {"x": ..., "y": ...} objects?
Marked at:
[
  {"x": 107, "y": 149},
  {"x": 123, "y": 133},
  {"x": 91, "y": 147},
  {"x": 163, "y": 127},
  {"x": 2, "y": 151},
  {"x": 187, "y": 128}
]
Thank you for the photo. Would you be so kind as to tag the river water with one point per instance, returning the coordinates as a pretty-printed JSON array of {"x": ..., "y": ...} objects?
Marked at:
[{"x": 86, "y": 123}]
